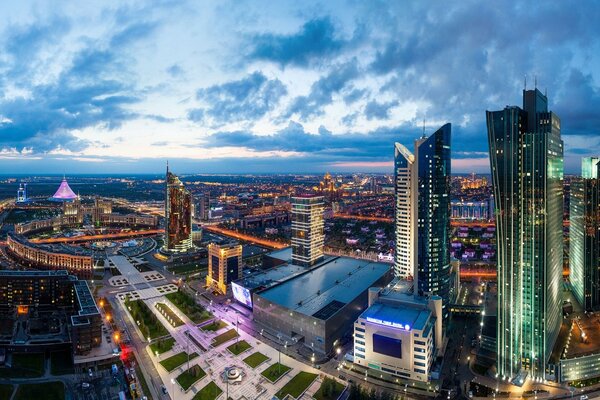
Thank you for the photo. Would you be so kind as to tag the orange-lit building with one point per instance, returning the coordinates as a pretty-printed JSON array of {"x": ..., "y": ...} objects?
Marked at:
[
  {"x": 44, "y": 258},
  {"x": 224, "y": 265},
  {"x": 178, "y": 215}
]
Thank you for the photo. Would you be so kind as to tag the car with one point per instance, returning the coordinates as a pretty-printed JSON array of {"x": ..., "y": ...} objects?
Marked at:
[
  {"x": 583, "y": 397},
  {"x": 342, "y": 377},
  {"x": 164, "y": 389},
  {"x": 85, "y": 385}
]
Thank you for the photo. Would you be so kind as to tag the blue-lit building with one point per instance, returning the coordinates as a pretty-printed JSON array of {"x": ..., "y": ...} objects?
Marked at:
[{"x": 399, "y": 333}]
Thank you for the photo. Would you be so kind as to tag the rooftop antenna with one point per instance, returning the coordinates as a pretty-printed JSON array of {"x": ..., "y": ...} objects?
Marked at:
[
  {"x": 423, "y": 127},
  {"x": 535, "y": 81},
  {"x": 525, "y": 83}
]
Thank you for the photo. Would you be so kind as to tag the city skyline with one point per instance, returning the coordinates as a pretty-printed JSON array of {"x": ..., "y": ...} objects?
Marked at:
[{"x": 293, "y": 88}]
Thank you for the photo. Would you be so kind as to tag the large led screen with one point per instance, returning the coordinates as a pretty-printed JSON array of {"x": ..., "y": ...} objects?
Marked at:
[
  {"x": 242, "y": 294},
  {"x": 387, "y": 345}
]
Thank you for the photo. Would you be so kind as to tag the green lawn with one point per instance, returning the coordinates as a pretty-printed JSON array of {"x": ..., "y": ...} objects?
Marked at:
[
  {"x": 166, "y": 311},
  {"x": 239, "y": 347},
  {"x": 175, "y": 361},
  {"x": 330, "y": 390},
  {"x": 297, "y": 385},
  {"x": 162, "y": 345},
  {"x": 188, "y": 306},
  {"x": 6, "y": 391},
  {"x": 187, "y": 378},
  {"x": 149, "y": 324},
  {"x": 25, "y": 365},
  {"x": 61, "y": 363},
  {"x": 214, "y": 326},
  {"x": 46, "y": 391},
  {"x": 275, "y": 371},
  {"x": 255, "y": 359},
  {"x": 224, "y": 337},
  {"x": 208, "y": 392}
]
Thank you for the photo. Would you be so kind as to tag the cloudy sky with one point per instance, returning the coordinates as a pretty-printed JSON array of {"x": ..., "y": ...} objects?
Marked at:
[{"x": 273, "y": 86}]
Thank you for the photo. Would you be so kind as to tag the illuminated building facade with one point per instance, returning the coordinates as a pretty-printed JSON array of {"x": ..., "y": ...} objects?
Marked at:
[
  {"x": 584, "y": 235},
  {"x": 178, "y": 215},
  {"x": 422, "y": 214},
  {"x": 224, "y": 265},
  {"x": 36, "y": 294},
  {"x": 22, "y": 193},
  {"x": 398, "y": 334},
  {"x": 308, "y": 235},
  {"x": 405, "y": 211},
  {"x": 40, "y": 257},
  {"x": 526, "y": 157}
]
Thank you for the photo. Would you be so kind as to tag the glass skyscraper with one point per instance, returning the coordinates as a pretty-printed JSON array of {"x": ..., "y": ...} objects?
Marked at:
[
  {"x": 584, "y": 235},
  {"x": 178, "y": 215},
  {"x": 526, "y": 157},
  {"x": 422, "y": 212}
]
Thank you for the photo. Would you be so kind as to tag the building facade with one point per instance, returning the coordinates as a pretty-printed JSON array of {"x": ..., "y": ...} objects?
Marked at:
[
  {"x": 526, "y": 157},
  {"x": 308, "y": 235},
  {"x": 224, "y": 265},
  {"x": 39, "y": 257},
  {"x": 405, "y": 211},
  {"x": 399, "y": 334},
  {"x": 584, "y": 235},
  {"x": 178, "y": 215}
]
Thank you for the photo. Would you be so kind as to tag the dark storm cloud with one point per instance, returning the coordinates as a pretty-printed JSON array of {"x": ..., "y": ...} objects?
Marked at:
[
  {"x": 377, "y": 110},
  {"x": 316, "y": 38},
  {"x": 322, "y": 91},
  {"x": 579, "y": 105},
  {"x": 249, "y": 98}
]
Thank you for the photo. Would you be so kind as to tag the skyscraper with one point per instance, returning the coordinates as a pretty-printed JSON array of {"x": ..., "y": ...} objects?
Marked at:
[
  {"x": 307, "y": 230},
  {"x": 526, "y": 157},
  {"x": 422, "y": 185},
  {"x": 584, "y": 234},
  {"x": 178, "y": 215}
]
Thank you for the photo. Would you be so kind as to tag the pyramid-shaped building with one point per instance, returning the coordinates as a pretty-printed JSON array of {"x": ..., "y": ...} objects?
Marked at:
[{"x": 64, "y": 192}]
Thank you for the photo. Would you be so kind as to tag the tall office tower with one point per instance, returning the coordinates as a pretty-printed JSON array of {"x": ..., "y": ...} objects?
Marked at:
[
  {"x": 405, "y": 211},
  {"x": 307, "y": 230},
  {"x": 178, "y": 215},
  {"x": 584, "y": 234},
  {"x": 526, "y": 157},
  {"x": 224, "y": 265},
  {"x": 433, "y": 216},
  {"x": 422, "y": 184}
]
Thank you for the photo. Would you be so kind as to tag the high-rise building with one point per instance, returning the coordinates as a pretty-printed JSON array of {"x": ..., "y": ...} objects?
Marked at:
[
  {"x": 526, "y": 157},
  {"x": 405, "y": 211},
  {"x": 307, "y": 230},
  {"x": 422, "y": 213},
  {"x": 178, "y": 215},
  {"x": 224, "y": 265},
  {"x": 584, "y": 234},
  {"x": 202, "y": 207}
]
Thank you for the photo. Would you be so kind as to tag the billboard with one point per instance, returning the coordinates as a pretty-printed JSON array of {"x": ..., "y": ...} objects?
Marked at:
[
  {"x": 386, "y": 345},
  {"x": 241, "y": 294}
]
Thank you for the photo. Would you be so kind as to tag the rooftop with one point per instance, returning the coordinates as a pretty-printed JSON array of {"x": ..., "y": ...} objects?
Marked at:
[
  {"x": 270, "y": 277},
  {"x": 403, "y": 317},
  {"x": 284, "y": 254},
  {"x": 33, "y": 273},
  {"x": 585, "y": 336},
  {"x": 322, "y": 290}
]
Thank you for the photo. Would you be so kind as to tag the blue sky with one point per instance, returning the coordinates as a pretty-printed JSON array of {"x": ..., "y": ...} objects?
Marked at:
[{"x": 263, "y": 86}]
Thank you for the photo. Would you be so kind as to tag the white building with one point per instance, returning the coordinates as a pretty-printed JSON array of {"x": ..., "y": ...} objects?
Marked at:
[
  {"x": 399, "y": 333},
  {"x": 405, "y": 210}
]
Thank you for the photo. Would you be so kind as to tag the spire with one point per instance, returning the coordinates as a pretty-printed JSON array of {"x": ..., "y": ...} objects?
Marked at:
[
  {"x": 525, "y": 82},
  {"x": 423, "y": 128}
]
